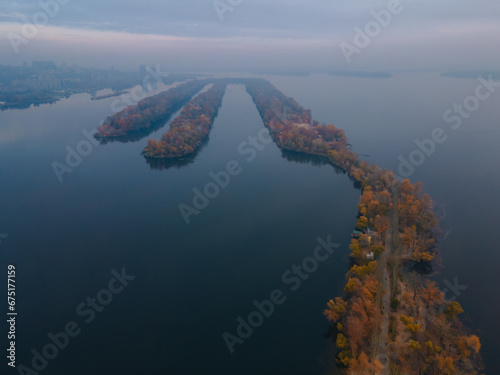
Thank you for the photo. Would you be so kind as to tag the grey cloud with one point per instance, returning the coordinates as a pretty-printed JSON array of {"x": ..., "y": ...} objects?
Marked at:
[{"x": 447, "y": 28}]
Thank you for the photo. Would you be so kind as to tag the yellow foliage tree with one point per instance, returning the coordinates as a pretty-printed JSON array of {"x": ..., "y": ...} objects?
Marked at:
[{"x": 335, "y": 309}]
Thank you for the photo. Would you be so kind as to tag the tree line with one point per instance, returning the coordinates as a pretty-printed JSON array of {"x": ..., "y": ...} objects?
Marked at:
[
  {"x": 423, "y": 325},
  {"x": 150, "y": 112},
  {"x": 191, "y": 127}
]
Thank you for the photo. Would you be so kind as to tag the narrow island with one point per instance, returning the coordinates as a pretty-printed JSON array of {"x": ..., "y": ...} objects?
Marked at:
[
  {"x": 291, "y": 125},
  {"x": 150, "y": 112},
  {"x": 191, "y": 127},
  {"x": 391, "y": 319}
]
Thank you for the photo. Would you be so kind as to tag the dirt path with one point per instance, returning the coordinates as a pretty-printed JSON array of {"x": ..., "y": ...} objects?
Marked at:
[
  {"x": 386, "y": 306},
  {"x": 386, "y": 284}
]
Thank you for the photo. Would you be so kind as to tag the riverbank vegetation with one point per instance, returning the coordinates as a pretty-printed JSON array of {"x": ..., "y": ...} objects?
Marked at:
[
  {"x": 422, "y": 334},
  {"x": 391, "y": 320},
  {"x": 291, "y": 125},
  {"x": 191, "y": 127},
  {"x": 150, "y": 112}
]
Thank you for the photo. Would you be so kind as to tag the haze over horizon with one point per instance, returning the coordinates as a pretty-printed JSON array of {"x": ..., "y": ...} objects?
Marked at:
[{"x": 254, "y": 35}]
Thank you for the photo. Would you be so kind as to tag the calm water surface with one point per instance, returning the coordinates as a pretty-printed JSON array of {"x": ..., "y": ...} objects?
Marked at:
[{"x": 193, "y": 281}]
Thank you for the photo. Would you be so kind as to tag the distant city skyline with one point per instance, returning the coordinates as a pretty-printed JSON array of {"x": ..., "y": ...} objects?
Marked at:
[{"x": 253, "y": 35}]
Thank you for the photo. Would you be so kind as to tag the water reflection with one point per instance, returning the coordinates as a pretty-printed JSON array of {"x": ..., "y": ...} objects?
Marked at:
[
  {"x": 163, "y": 164},
  {"x": 132, "y": 137},
  {"x": 316, "y": 160},
  {"x": 303, "y": 158}
]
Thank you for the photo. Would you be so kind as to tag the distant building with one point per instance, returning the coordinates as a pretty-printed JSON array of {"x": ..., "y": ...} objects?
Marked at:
[
  {"x": 44, "y": 65},
  {"x": 45, "y": 82}
]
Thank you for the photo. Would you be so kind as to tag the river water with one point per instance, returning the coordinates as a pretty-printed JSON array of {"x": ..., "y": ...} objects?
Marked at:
[{"x": 195, "y": 282}]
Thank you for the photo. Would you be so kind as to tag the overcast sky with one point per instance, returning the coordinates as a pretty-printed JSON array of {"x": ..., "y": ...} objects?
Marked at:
[{"x": 255, "y": 34}]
